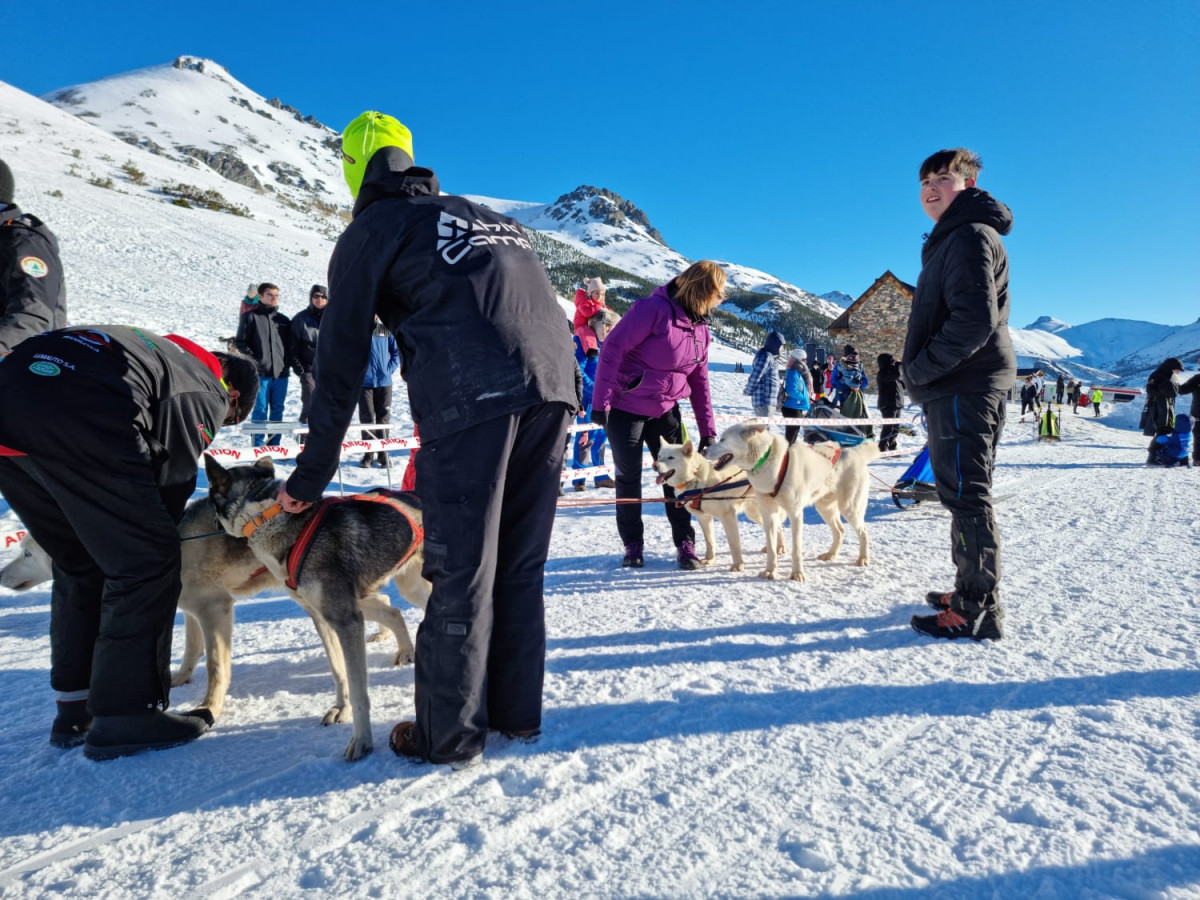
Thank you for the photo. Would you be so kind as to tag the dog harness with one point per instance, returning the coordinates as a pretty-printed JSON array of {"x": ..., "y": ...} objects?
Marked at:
[
  {"x": 695, "y": 496},
  {"x": 837, "y": 454},
  {"x": 295, "y": 561}
]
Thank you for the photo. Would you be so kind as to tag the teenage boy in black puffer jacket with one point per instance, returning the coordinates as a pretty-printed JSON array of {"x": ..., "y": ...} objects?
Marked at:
[{"x": 959, "y": 363}]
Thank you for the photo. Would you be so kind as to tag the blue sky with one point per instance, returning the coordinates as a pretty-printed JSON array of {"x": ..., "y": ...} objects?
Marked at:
[{"x": 784, "y": 136}]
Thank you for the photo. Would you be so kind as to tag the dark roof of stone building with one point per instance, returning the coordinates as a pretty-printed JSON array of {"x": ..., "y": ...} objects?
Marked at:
[{"x": 842, "y": 322}]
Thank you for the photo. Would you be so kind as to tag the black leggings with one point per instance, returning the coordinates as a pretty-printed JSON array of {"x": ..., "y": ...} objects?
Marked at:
[{"x": 627, "y": 433}]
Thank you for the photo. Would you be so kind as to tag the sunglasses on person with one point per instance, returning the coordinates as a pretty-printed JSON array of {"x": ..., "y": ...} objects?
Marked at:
[{"x": 318, "y": 294}]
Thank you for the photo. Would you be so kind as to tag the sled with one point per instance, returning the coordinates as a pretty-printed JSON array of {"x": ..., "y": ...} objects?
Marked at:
[
  {"x": 916, "y": 484},
  {"x": 843, "y": 435}
]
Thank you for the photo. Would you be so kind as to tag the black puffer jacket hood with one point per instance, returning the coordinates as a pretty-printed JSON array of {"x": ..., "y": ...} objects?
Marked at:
[
  {"x": 972, "y": 206},
  {"x": 773, "y": 343}
]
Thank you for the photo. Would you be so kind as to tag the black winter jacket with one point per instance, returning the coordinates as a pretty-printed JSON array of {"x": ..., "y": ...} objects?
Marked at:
[
  {"x": 305, "y": 328},
  {"x": 1161, "y": 392},
  {"x": 479, "y": 329},
  {"x": 1192, "y": 386},
  {"x": 33, "y": 294},
  {"x": 111, "y": 396},
  {"x": 958, "y": 340},
  {"x": 890, "y": 386},
  {"x": 265, "y": 335}
]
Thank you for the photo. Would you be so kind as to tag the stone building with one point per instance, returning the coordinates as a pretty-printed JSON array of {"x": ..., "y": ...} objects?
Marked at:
[{"x": 876, "y": 322}]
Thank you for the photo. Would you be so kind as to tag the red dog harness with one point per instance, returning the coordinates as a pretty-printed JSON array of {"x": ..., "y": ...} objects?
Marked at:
[
  {"x": 299, "y": 551},
  {"x": 295, "y": 562}
]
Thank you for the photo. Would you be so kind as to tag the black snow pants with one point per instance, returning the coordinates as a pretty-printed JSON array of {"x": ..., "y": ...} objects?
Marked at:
[
  {"x": 627, "y": 433},
  {"x": 111, "y": 534},
  {"x": 964, "y": 431},
  {"x": 488, "y": 496}
]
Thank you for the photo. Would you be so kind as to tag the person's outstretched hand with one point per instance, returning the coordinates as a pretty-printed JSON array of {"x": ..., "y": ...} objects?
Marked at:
[{"x": 289, "y": 503}]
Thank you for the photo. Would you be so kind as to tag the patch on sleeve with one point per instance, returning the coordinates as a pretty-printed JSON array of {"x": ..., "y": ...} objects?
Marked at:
[{"x": 34, "y": 267}]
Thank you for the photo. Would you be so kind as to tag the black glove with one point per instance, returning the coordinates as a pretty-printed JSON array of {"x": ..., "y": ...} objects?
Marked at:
[
  {"x": 299, "y": 370},
  {"x": 600, "y": 417},
  {"x": 706, "y": 441}
]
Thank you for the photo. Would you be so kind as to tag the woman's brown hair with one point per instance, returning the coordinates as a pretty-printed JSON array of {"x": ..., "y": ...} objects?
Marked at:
[{"x": 699, "y": 288}]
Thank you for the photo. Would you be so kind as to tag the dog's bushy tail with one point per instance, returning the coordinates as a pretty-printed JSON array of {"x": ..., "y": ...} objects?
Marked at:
[{"x": 867, "y": 451}]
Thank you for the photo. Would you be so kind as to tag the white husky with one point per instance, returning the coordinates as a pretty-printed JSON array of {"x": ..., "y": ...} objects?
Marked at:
[
  {"x": 789, "y": 478},
  {"x": 713, "y": 495}
]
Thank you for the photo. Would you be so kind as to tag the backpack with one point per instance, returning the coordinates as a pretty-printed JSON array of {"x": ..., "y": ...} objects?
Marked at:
[
  {"x": 852, "y": 377},
  {"x": 854, "y": 407}
]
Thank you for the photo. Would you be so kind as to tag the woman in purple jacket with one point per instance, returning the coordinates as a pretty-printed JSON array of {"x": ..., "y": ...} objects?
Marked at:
[{"x": 656, "y": 355}]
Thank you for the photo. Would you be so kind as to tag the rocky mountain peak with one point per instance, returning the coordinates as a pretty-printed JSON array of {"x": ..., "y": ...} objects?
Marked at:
[{"x": 587, "y": 204}]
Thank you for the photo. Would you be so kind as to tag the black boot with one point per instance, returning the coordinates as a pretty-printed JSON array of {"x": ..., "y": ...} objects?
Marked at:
[
  {"x": 366, "y": 461},
  {"x": 70, "y": 725},
  {"x": 113, "y": 736}
]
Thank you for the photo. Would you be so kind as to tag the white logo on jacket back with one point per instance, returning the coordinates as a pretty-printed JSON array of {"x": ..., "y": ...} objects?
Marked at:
[{"x": 457, "y": 236}]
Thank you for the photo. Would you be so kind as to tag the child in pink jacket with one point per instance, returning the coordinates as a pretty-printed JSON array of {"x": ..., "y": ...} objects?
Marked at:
[{"x": 589, "y": 300}]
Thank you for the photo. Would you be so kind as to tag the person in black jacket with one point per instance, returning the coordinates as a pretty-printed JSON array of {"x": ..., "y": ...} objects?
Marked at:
[
  {"x": 33, "y": 294},
  {"x": 1192, "y": 386},
  {"x": 305, "y": 328},
  {"x": 890, "y": 399},
  {"x": 101, "y": 427},
  {"x": 959, "y": 363},
  {"x": 1162, "y": 387},
  {"x": 265, "y": 335},
  {"x": 491, "y": 384}
]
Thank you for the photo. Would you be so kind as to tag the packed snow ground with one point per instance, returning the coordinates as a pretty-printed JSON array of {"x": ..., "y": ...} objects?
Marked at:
[{"x": 706, "y": 733}]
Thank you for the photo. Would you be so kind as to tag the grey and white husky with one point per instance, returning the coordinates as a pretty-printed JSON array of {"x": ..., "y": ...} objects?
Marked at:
[{"x": 358, "y": 548}]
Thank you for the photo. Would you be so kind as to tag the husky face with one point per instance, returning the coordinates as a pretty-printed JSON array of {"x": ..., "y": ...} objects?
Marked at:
[
  {"x": 677, "y": 464},
  {"x": 240, "y": 492}
]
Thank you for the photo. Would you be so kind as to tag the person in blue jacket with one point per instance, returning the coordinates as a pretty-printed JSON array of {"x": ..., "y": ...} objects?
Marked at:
[
  {"x": 588, "y": 446},
  {"x": 847, "y": 375},
  {"x": 375, "y": 401},
  {"x": 798, "y": 391}
]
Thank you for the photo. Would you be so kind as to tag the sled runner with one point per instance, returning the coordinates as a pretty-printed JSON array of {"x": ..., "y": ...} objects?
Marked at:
[{"x": 844, "y": 435}]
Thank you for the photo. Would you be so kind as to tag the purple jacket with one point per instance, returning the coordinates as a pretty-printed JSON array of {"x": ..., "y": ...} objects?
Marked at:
[{"x": 655, "y": 356}]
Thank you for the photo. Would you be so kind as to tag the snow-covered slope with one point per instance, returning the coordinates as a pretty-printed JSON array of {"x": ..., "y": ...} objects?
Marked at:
[
  {"x": 1182, "y": 343},
  {"x": 194, "y": 110}
]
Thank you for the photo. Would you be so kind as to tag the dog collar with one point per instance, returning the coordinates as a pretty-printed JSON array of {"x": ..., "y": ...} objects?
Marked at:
[
  {"x": 258, "y": 521},
  {"x": 765, "y": 456}
]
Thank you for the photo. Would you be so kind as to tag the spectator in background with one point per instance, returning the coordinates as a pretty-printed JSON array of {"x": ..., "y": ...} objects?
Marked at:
[
  {"x": 655, "y": 356},
  {"x": 588, "y": 451},
  {"x": 816, "y": 373},
  {"x": 1162, "y": 387},
  {"x": 1028, "y": 389},
  {"x": 1039, "y": 388},
  {"x": 249, "y": 301},
  {"x": 797, "y": 391},
  {"x": 848, "y": 375},
  {"x": 305, "y": 328},
  {"x": 762, "y": 385},
  {"x": 1097, "y": 396},
  {"x": 265, "y": 335},
  {"x": 1192, "y": 386},
  {"x": 375, "y": 401},
  {"x": 33, "y": 294},
  {"x": 890, "y": 400},
  {"x": 589, "y": 300},
  {"x": 1073, "y": 390},
  {"x": 1059, "y": 387}
]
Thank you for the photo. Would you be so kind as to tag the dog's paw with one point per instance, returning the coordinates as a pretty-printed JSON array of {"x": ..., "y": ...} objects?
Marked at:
[
  {"x": 403, "y": 657},
  {"x": 381, "y": 635},
  {"x": 736, "y": 567},
  {"x": 862, "y": 561},
  {"x": 768, "y": 574},
  {"x": 826, "y": 556},
  {"x": 181, "y": 678},
  {"x": 358, "y": 748},
  {"x": 797, "y": 575},
  {"x": 338, "y": 714}
]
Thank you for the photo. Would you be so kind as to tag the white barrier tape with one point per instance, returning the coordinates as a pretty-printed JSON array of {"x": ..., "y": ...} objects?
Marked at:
[
  {"x": 584, "y": 474},
  {"x": 817, "y": 423}
]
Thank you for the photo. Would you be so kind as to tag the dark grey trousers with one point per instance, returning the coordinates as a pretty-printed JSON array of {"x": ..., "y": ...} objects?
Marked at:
[
  {"x": 111, "y": 534},
  {"x": 964, "y": 431},
  {"x": 488, "y": 496}
]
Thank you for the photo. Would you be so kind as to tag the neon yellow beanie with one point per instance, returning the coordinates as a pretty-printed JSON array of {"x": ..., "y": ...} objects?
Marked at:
[{"x": 363, "y": 136}]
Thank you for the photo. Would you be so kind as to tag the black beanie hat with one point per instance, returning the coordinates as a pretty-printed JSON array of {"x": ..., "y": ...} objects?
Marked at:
[
  {"x": 849, "y": 350},
  {"x": 317, "y": 289},
  {"x": 6, "y": 184}
]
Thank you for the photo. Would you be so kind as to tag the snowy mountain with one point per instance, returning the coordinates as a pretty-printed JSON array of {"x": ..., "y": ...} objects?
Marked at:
[
  {"x": 837, "y": 298},
  {"x": 194, "y": 111},
  {"x": 611, "y": 229},
  {"x": 1048, "y": 323},
  {"x": 1181, "y": 343}
]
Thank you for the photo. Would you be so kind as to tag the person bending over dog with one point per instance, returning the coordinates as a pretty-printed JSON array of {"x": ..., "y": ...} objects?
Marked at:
[
  {"x": 102, "y": 426},
  {"x": 491, "y": 384}
]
